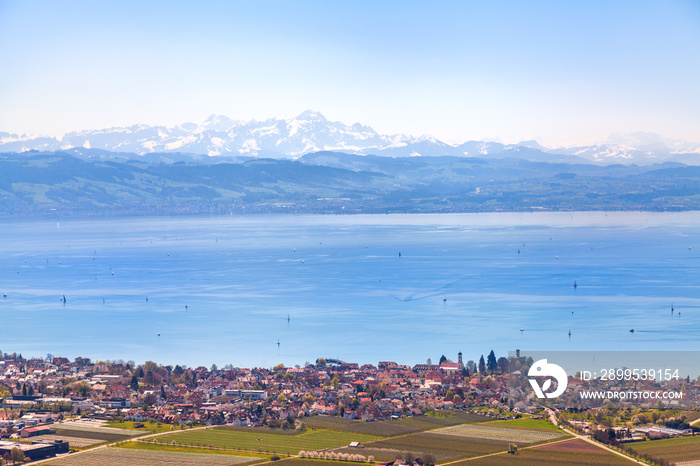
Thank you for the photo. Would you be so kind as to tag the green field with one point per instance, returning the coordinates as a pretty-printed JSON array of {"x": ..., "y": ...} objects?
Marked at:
[
  {"x": 379, "y": 429},
  {"x": 444, "y": 447},
  {"x": 263, "y": 430},
  {"x": 258, "y": 441},
  {"x": 128, "y": 456},
  {"x": 674, "y": 449},
  {"x": 256, "y": 457},
  {"x": 442, "y": 419},
  {"x": 390, "y": 428}
]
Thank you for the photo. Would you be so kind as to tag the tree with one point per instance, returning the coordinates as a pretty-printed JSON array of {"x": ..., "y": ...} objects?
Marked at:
[
  {"x": 503, "y": 365},
  {"x": 17, "y": 455},
  {"x": 471, "y": 366},
  {"x": 491, "y": 363},
  {"x": 430, "y": 363},
  {"x": 24, "y": 390},
  {"x": 150, "y": 399},
  {"x": 41, "y": 386},
  {"x": 442, "y": 359},
  {"x": 482, "y": 365},
  {"x": 162, "y": 392},
  {"x": 213, "y": 368},
  {"x": 134, "y": 383},
  {"x": 321, "y": 362},
  {"x": 150, "y": 366}
]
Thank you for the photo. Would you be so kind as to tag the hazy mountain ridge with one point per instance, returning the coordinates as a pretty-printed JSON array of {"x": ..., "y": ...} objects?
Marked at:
[
  {"x": 311, "y": 132},
  {"x": 88, "y": 182}
]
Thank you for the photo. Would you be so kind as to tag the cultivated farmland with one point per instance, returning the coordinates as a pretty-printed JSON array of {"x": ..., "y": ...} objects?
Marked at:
[
  {"x": 257, "y": 441},
  {"x": 339, "y": 424},
  {"x": 128, "y": 457},
  {"x": 675, "y": 450},
  {"x": 99, "y": 435},
  {"x": 519, "y": 436},
  {"x": 537, "y": 457},
  {"x": 94, "y": 427},
  {"x": 390, "y": 428},
  {"x": 305, "y": 462},
  {"x": 443, "y": 419},
  {"x": 444, "y": 447},
  {"x": 526, "y": 424},
  {"x": 73, "y": 442}
]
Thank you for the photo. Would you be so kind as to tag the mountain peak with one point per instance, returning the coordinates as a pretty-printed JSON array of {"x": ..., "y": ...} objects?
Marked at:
[
  {"x": 218, "y": 123},
  {"x": 532, "y": 144},
  {"x": 310, "y": 115}
]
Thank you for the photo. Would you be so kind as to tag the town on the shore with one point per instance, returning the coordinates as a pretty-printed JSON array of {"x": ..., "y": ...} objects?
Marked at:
[{"x": 39, "y": 391}]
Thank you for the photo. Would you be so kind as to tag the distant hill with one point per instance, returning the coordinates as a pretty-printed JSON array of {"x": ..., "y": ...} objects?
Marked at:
[{"x": 90, "y": 182}]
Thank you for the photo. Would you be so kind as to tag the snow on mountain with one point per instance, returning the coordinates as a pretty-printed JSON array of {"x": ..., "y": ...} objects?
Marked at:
[{"x": 310, "y": 131}]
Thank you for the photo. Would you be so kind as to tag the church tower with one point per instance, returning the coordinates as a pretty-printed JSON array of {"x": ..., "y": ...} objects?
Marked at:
[{"x": 459, "y": 361}]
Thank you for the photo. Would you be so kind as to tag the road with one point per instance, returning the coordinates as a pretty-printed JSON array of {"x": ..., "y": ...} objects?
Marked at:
[{"x": 585, "y": 438}]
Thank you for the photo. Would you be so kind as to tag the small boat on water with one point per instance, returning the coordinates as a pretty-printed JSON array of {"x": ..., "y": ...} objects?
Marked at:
[
  {"x": 444, "y": 299},
  {"x": 569, "y": 333},
  {"x": 575, "y": 284},
  {"x": 4, "y": 295},
  {"x": 631, "y": 330},
  {"x": 522, "y": 329},
  {"x": 63, "y": 299}
]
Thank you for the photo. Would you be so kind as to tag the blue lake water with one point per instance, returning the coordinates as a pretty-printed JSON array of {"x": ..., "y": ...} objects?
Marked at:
[{"x": 220, "y": 289}]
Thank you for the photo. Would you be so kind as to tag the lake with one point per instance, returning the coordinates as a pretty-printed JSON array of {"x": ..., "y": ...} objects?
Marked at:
[{"x": 364, "y": 288}]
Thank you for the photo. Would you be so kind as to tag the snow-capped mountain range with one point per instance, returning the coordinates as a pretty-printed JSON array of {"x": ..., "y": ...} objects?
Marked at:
[{"x": 312, "y": 132}]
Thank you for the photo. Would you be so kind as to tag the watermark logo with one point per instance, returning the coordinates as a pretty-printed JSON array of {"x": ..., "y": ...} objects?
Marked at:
[{"x": 542, "y": 368}]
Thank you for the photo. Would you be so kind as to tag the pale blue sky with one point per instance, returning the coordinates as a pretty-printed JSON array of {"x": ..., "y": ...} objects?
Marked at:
[{"x": 561, "y": 72}]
